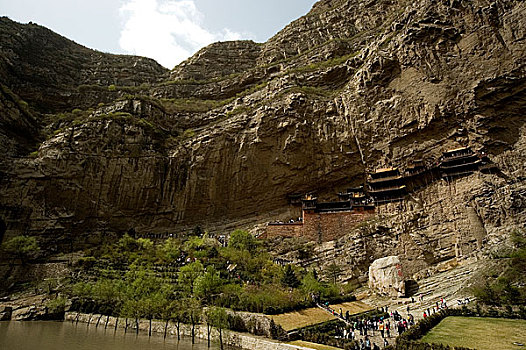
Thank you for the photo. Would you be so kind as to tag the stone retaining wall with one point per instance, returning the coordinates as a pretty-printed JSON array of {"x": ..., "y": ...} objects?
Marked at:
[{"x": 240, "y": 340}]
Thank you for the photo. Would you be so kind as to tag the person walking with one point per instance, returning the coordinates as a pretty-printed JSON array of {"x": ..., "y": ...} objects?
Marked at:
[{"x": 367, "y": 343}]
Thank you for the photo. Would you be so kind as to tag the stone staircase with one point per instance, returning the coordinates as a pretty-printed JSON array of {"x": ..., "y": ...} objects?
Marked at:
[
  {"x": 452, "y": 285},
  {"x": 333, "y": 313}
]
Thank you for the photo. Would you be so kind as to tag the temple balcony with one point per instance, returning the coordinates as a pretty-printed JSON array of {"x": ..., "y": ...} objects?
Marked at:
[
  {"x": 452, "y": 167},
  {"x": 387, "y": 189},
  {"x": 385, "y": 179}
]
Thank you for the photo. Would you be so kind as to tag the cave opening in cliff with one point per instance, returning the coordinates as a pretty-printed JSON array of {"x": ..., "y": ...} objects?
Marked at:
[
  {"x": 3, "y": 228},
  {"x": 411, "y": 288}
]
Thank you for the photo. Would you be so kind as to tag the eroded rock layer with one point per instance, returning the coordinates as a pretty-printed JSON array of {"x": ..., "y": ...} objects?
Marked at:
[{"x": 118, "y": 143}]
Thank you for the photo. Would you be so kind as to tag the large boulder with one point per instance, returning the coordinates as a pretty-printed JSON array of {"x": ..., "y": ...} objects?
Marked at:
[{"x": 386, "y": 277}]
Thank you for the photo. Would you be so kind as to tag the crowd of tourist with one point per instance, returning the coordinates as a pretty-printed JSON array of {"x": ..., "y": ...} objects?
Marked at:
[
  {"x": 390, "y": 324},
  {"x": 439, "y": 305},
  {"x": 291, "y": 221}
]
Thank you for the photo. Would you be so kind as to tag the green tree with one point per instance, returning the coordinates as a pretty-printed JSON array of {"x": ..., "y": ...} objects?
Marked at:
[
  {"x": 143, "y": 290},
  {"x": 310, "y": 285},
  {"x": 208, "y": 284},
  {"x": 177, "y": 312},
  {"x": 170, "y": 250},
  {"x": 333, "y": 272},
  {"x": 194, "y": 243},
  {"x": 271, "y": 273},
  {"x": 108, "y": 295},
  {"x": 193, "y": 313},
  {"x": 145, "y": 245},
  {"x": 151, "y": 307},
  {"x": 131, "y": 309},
  {"x": 21, "y": 247},
  {"x": 188, "y": 274},
  {"x": 127, "y": 243},
  {"x": 217, "y": 317},
  {"x": 289, "y": 278},
  {"x": 242, "y": 240}
]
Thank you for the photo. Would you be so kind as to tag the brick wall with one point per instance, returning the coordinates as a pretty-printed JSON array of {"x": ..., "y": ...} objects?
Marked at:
[
  {"x": 319, "y": 226},
  {"x": 329, "y": 226},
  {"x": 283, "y": 230}
]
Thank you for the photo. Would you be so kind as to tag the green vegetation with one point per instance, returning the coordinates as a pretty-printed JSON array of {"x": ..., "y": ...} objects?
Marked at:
[
  {"x": 411, "y": 339},
  {"x": 239, "y": 110},
  {"x": 333, "y": 272},
  {"x": 59, "y": 122},
  {"x": 508, "y": 286},
  {"x": 57, "y": 305},
  {"x": 289, "y": 278},
  {"x": 22, "y": 105},
  {"x": 330, "y": 333},
  {"x": 311, "y": 316},
  {"x": 92, "y": 87},
  {"x": 33, "y": 154},
  {"x": 193, "y": 105},
  {"x": 21, "y": 248},
  {"x": 178, "y": 278},
  {"x": 196, "y": 105},
  {"x": 218, "y": 318},
  {"x": 188, "y": 134},
  {"x": 336, "y": 61},
  {"x": 478, "y": 333},
  {"x": 199, "y": 82},
  {"x": 62, "y": 121},
  {"x": 113, "y": 88}
]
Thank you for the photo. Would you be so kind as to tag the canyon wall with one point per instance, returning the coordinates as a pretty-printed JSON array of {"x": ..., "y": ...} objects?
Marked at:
[{"x": 118, "y": 144}]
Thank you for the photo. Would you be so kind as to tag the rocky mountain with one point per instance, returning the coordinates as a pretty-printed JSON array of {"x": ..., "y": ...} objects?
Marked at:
[{"x": 101, "y": 144}]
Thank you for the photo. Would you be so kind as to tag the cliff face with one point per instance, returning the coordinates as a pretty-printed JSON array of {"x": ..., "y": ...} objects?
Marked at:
[
  {"x": 226, "y": 136},
  {"x": 47, "y": 69}
]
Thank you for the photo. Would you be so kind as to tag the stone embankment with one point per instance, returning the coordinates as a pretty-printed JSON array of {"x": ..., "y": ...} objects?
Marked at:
[
  {"x": 240, "y": 340},
  {"x": 32, "y": 308}
]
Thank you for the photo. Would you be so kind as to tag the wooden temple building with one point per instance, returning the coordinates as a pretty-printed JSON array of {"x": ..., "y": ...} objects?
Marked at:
[
  {"x": 357, "y": 197},
  {"x": 386, "y": 185},
  {"x": 459, "y": 162},
  {"x": 324, "y": 221}
]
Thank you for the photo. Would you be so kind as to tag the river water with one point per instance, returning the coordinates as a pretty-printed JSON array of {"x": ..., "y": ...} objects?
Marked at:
[{"x": 69, "y": 336}]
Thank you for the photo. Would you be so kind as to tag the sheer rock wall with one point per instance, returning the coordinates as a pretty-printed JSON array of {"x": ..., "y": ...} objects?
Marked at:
[{"x": 349, "y": 87}]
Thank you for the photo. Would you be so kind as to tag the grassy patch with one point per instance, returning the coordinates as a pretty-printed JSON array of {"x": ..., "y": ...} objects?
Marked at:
[
  {"x": 311, "y": 316},
  {"x": 478, "y": 333},
  {"x": 196, "y": 105},
  {"x": 302, "y": 318},
  {"x": 310, "y": 345},
  {"x": 200, "y": 82},
  {"x": 354, "y": 307},
  {"x": 193, "y": 104},
  {"x": 323, "y": 64}
]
